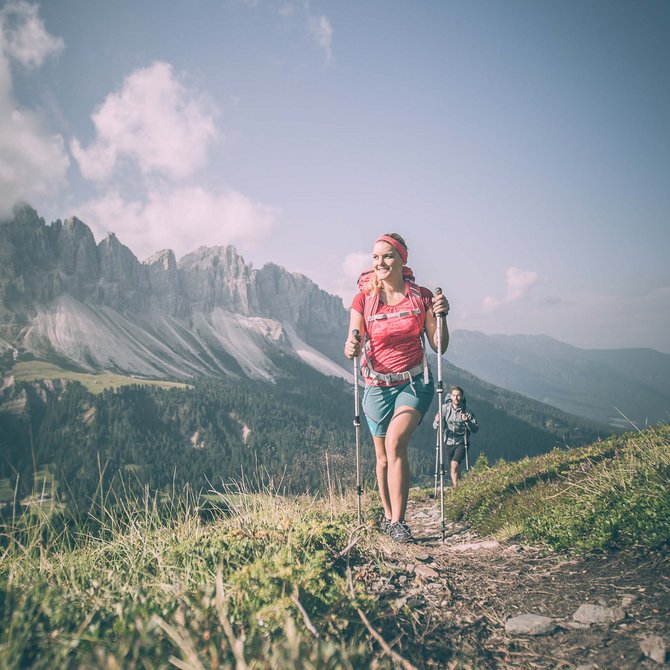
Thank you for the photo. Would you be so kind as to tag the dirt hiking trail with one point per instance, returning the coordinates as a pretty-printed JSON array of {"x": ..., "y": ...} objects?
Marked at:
[{"x": 479, "y": 603}]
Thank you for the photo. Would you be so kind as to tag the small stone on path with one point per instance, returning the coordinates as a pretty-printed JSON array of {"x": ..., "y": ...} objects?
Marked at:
[
  {"x": 653, "y": 646},
  {"x": 476, "y": 546},
  {"x": 598, "y": 614},
  {"x": 529, "y": 624},
  {"x": 424, "y": 558},
  {"x": 424, "y": 572}
]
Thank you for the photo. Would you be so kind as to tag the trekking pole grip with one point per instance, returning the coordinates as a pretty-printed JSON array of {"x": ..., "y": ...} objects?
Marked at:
[
  {"x": 356, "y": 333},
  {"x": 438, "y": 291}
]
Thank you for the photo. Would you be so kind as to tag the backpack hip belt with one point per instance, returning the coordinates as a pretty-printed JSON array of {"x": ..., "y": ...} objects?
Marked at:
[{"x": 393, "y": 377}]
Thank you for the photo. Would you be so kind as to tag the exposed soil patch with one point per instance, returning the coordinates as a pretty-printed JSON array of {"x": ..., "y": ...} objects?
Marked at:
[{"x": 462, "y": 590}]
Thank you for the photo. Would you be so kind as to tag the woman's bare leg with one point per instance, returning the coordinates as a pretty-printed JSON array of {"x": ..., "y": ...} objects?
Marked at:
[
  {"x": 400, "y": 430},
  {"x": 381, "y": 470}
]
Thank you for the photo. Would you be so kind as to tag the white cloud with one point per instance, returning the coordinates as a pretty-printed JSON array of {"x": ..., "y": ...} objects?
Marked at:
[
  {"x": 321, "y": 30},
  {"x": 155, "y": 121},
  {"x": 518, "y": 284},
  {"x": 33, "y": 163},
  {"x": 343, "y": 283},
  {"x": 25, "y": 39},
  {"x": 181, "y": 219},
  {"x": 354, "y": 264}
]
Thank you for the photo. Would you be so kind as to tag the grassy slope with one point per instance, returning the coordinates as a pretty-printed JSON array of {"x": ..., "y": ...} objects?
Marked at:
[
  {"x": 612, "y": 493},
  {"x": 255, "y": 583},
  {"x": 28, "y": 371}
]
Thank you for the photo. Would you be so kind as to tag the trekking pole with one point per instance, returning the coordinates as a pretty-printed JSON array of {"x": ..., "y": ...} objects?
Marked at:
[
  {"x": 437, "y": 461},
  {"x": 357, "y": 426},
  {"x": 467, "y": 448},
  {"x": 440, "y": 437}
]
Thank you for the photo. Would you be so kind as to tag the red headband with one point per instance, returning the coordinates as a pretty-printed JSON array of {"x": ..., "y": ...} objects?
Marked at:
[{"x": 396, "y": 245}]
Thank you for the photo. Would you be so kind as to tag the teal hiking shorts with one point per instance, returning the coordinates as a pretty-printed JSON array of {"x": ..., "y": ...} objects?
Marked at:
[{"x": 381, "y": 402}]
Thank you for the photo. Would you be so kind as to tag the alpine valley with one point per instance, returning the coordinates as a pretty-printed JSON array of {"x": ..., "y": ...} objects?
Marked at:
[{"x": 209, "y": 370}]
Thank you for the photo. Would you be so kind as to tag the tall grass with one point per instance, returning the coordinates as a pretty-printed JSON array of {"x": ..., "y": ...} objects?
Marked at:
[
  {"x": 259, "y": 580},
  {"x": 611, "y": 494}
]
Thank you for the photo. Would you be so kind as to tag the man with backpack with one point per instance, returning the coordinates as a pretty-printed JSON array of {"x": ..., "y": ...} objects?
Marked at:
[
  {"x": 390, "y": 315},
  {"x": 457, "y": 422}
]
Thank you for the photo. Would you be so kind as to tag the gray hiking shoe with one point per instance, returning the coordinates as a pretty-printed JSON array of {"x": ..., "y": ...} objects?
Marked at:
[
  {"x": 384, "y": 524},
  {"x": 400, "y": 532}
]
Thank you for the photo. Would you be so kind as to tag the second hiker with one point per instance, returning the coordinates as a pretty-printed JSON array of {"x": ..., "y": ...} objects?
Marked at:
[
  {"x": 391, "y": 313},
  {"x": 457, "y": 422}
]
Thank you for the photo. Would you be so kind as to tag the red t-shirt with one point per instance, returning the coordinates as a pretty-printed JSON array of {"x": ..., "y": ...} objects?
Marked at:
[{"x": 395, "y": 344}]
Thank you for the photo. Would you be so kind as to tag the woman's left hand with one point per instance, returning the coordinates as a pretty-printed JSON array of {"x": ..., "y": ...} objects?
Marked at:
[{"x": 440, "y": 305}]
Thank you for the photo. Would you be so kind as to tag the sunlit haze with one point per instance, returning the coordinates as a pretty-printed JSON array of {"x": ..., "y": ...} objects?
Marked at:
[{"x": 521, "y": 148}]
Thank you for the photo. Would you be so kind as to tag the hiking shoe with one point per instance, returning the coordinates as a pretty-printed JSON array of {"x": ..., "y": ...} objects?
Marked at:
[
  {"x": 400, "y": 532},
  {"x": 384, "y": 524}
]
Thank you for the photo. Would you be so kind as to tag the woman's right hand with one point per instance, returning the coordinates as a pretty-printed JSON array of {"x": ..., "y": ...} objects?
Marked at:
[{"x": 352, "y": 347}]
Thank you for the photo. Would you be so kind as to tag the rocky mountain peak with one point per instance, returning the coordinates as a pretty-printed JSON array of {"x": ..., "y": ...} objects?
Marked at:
[
  {"x": 218, "y": 276},
  {"x": 102, "y": 307},
  {"x": 164, "y": 259},
  {"x": 77, "y": 250}
]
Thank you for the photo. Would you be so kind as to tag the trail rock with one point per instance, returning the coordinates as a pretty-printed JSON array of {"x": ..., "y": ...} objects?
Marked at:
[
  {"x": 598, "y": 614},
  {"x": 415, "y": 601},
  {"x": 476, "y": 546},
  {"x": 424, "y": 558},
  {"x": 424, "y": 572},
  {"x": 653, "y": 646},
  {"x": 529, "y": 624}
]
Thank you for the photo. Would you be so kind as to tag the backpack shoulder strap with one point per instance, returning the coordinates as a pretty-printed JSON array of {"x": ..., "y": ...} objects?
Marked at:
[{"x": 414, "y": 292}]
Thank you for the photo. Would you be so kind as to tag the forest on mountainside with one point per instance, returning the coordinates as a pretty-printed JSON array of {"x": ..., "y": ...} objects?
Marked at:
[{"x": 294, "y": 436}]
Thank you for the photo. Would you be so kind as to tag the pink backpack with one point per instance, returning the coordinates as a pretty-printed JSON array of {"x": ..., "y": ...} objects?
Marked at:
[{"x": 418, "y": 310}]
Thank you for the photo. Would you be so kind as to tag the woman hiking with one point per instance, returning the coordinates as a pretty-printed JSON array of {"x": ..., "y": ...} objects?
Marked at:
[{"x": 391, "y": 314}]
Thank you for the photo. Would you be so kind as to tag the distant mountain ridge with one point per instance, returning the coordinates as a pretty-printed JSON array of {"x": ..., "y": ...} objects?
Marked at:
[{"x": 602, "y": 385}]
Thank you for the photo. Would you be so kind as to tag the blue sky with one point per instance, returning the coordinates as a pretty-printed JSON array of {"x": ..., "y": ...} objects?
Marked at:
[{"x": 522, "y": 148}]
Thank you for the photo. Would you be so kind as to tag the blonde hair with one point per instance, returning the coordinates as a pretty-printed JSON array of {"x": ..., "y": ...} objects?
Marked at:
[{"x": 374, "y": 284}]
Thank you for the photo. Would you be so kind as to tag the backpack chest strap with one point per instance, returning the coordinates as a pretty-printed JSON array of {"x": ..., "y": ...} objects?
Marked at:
[{"x": 394, "y": 315}]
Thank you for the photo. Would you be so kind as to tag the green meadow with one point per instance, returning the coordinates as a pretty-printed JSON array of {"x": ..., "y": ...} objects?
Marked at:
[
  {"x": 34, "y": 370},
  {"x": 269, "y": 581}
]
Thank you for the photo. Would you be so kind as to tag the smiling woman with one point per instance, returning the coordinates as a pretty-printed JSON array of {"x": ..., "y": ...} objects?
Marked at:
[{"x": 391, "y": 313}]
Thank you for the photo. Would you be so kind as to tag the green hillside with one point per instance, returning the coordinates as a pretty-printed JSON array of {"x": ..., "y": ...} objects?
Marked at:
[
  {"x": 36, "y": 370},
  {"x": 97, "y": 433},
  {"x": 284, "y": 582}
]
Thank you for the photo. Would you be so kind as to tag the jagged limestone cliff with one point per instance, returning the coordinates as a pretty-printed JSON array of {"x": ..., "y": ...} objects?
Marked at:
[{"x": 209, "y": 313}]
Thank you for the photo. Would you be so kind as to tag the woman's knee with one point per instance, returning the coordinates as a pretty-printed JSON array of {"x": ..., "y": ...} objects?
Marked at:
[
  {"x": 396, "y": 448},
  {"x": 382, "y": 460}
]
